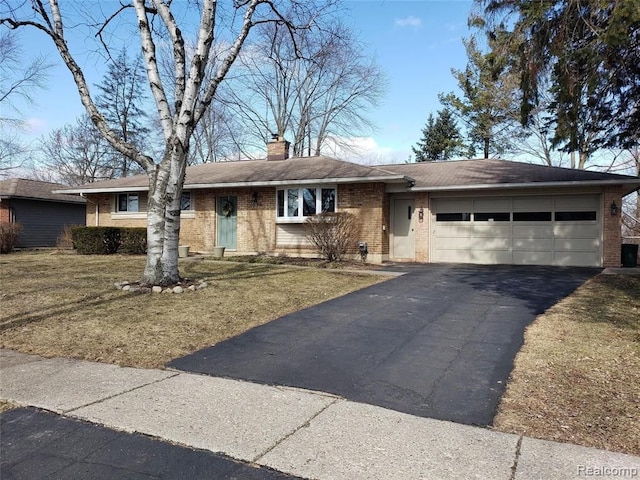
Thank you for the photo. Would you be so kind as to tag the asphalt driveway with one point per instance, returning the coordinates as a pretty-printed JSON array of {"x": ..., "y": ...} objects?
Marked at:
[{"x": 438, "y": 342}]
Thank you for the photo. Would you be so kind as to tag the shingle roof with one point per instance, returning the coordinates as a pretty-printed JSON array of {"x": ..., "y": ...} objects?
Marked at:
[
  {"x": 451, "y": 175},
  {"x": 35, "y": 190},
  {"x": 493, "y": 172},
  {"x": 261, "y": 172}
]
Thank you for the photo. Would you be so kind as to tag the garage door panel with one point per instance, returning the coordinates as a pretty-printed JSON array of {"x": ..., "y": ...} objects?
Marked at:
[
  {"x": 532, "y": 244},
  {"x": 449, "y": 205},
  {"x": 491, "y": 256},
  {"x": 577, "y": 259},
  {"x": 532, "y": 258},
  {"x": 456, "y": 243},
  {"x": 541, "y": 230},
  {"x": 453, "y": 256},
  {"x": 533, "y": 230},
  {"x": 532, "y": 204},
  {"x": 573, "y": 230},
  {"x": 576, "y": 202},
  {"x": 491, "y": 229},
  {"x": 498, "y": 204},
  {"x": 496, "y": 243},
  {"x": 454, "y": 229},
  {"x": 576, "y": 244}
]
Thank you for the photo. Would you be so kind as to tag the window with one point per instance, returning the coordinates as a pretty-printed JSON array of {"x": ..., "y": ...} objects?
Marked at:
[
  {"x": 574, "y": 216},
  {"x": 531, "y": 216},
  {"x": 128, "y": 202},
  {"x": 185, "y": 201},
  {"x": 492, "y": 217},
  {"x": 299, "y": 203},
  {"x": 453, "y": 217}
]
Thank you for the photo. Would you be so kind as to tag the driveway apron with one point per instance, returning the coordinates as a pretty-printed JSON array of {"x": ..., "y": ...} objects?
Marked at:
[{"x": 438, "y": 342}]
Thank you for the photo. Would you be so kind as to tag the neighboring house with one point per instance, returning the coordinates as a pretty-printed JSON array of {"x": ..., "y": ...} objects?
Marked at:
[
  {"x": 471, "y": 211},
  {"x": 42, "y": 213}
]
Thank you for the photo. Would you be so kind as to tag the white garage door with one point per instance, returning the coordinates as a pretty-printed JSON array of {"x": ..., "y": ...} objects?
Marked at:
[{"x": 531, "y": 230}]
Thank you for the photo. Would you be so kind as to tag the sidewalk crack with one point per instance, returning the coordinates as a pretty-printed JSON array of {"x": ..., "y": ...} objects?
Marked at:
[
  {"x": 289, "y": 435},
  {"x": 100, "y": 400},
  {"x": 514, "y": 467}
]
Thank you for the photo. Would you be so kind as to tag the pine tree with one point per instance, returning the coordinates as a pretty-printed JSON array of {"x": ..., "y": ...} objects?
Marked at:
[
  {"x": 121, "y": 102},
  {"x": 441, "y": 139}
]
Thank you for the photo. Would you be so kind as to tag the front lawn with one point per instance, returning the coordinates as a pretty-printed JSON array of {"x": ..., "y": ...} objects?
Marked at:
[
  {"x": 66, "y": 305},
  {"x": 577, "y": 377}
]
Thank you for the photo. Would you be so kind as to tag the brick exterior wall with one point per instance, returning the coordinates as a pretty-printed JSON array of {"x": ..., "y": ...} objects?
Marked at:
[
  {"x": 5, "y": 211},
  {"x": 422, "y": 228},
  {"x": 370, "y": 203},
  {"x": 612, "y": 227},
  {"x": 257, "y": 222}
]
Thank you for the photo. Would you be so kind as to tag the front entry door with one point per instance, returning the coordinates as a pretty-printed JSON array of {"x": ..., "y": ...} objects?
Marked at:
[
  {"x": 226, "y": 226},
  {"x": 403, "y": 235}
]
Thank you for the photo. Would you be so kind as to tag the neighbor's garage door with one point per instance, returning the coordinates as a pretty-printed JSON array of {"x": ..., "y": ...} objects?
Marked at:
[{"x": 549, "y": 230}]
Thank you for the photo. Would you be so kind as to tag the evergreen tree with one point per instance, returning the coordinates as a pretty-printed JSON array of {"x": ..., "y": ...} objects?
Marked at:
[
  {"x": 488, "y": 103},
  {"x": 121, "y": 99},
  {"x": 441, "y": 139},
  {"x": 589, "y": 52}
]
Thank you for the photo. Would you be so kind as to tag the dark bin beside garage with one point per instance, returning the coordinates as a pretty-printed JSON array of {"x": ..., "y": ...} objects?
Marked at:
[{"x": 629, "y": 255}]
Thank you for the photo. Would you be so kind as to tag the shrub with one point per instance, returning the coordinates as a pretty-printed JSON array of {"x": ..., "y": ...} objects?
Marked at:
[
  {"x": 9, "y": 234},
  {"x": 134, "y": 240},
  {"x": 65, "y": 240},
  {"x": 96, "y": 240},
  {"x": 332, "y": 233},
  {"x": 109, "y": 240}
]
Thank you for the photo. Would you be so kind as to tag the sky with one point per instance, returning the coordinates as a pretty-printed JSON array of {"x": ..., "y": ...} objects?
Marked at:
[{"x": 416, "y": 43}]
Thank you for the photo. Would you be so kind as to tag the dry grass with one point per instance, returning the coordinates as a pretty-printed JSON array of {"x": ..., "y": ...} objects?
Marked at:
[
  {"x": 577, "y": 378},
  {"x": 66, "y": 305},
  {"x": 6, "y": 405}
]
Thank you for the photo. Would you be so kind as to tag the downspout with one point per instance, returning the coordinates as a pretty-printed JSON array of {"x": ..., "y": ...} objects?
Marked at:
[{"x": 97, "y": 209}]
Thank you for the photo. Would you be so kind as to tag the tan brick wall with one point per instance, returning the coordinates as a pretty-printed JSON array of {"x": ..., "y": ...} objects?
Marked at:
[
  {"x": 370, "y": 203},
  {"x": 5, "y": 211},
  {"x": 256, "y": 223},
  {"x": 422, "y": 227},
  {"x": 612, "y": 227}
]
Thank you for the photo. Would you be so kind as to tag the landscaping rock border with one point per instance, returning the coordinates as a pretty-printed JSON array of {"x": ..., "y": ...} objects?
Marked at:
[{"x": 184, "y": 286}]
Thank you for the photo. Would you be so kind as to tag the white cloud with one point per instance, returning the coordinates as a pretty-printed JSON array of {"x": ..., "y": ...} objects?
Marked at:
[
  {"x": 363, "y": 150},
  {"x": 410, "y": 21}
]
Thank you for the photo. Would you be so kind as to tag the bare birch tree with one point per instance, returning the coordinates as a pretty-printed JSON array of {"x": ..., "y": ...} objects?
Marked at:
[{"x": 160, "y": 21}]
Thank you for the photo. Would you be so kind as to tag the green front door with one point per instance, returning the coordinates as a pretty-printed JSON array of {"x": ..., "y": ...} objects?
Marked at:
[{"x": 227, "y": 209}]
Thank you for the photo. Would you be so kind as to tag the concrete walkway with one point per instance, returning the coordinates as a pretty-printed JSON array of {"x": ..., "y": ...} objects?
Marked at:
[{"x": 299, "y": 432}]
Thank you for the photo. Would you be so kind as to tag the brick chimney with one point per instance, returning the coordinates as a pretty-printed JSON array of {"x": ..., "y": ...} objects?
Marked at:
[{"x": 277, "y": 148}]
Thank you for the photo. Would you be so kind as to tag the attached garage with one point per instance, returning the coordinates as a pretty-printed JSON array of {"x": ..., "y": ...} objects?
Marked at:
[{"x": 523, "y": 230}]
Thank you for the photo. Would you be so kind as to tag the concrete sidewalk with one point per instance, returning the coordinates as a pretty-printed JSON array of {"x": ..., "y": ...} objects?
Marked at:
[{"x": 298, "y": 432}]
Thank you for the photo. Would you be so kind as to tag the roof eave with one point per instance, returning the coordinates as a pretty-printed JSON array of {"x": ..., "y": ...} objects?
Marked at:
[
  {"x": 268, "y": 183},
  {"x": 628, "y": 185}
]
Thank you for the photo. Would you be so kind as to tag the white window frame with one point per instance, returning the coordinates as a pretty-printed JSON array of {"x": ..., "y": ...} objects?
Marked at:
[
  {"x": 128, "y": 194},
  {"x": 300, "y": 218}
]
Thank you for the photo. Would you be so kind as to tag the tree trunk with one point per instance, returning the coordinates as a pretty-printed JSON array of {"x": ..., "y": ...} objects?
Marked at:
[{"x": 163, "y": 218}]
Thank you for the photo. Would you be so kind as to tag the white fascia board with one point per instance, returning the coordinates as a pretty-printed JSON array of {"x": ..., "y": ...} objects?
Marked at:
[
  {"x": 268, "y": 183},
  {"x": 511, "y": 186},
  {"x": 83, "y": 191}
]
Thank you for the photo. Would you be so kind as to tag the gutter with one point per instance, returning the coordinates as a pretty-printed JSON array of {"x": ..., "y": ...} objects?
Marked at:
[
  {"x": 191, "y": 186},
  {"x": 510, "y": 186}
]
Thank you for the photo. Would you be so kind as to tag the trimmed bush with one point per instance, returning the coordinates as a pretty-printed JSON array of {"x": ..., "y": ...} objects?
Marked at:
[
  {"x": 9, "y": 233},
  {"x": 134, "y": 240},
  {"x": 109, "y": 240}
]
